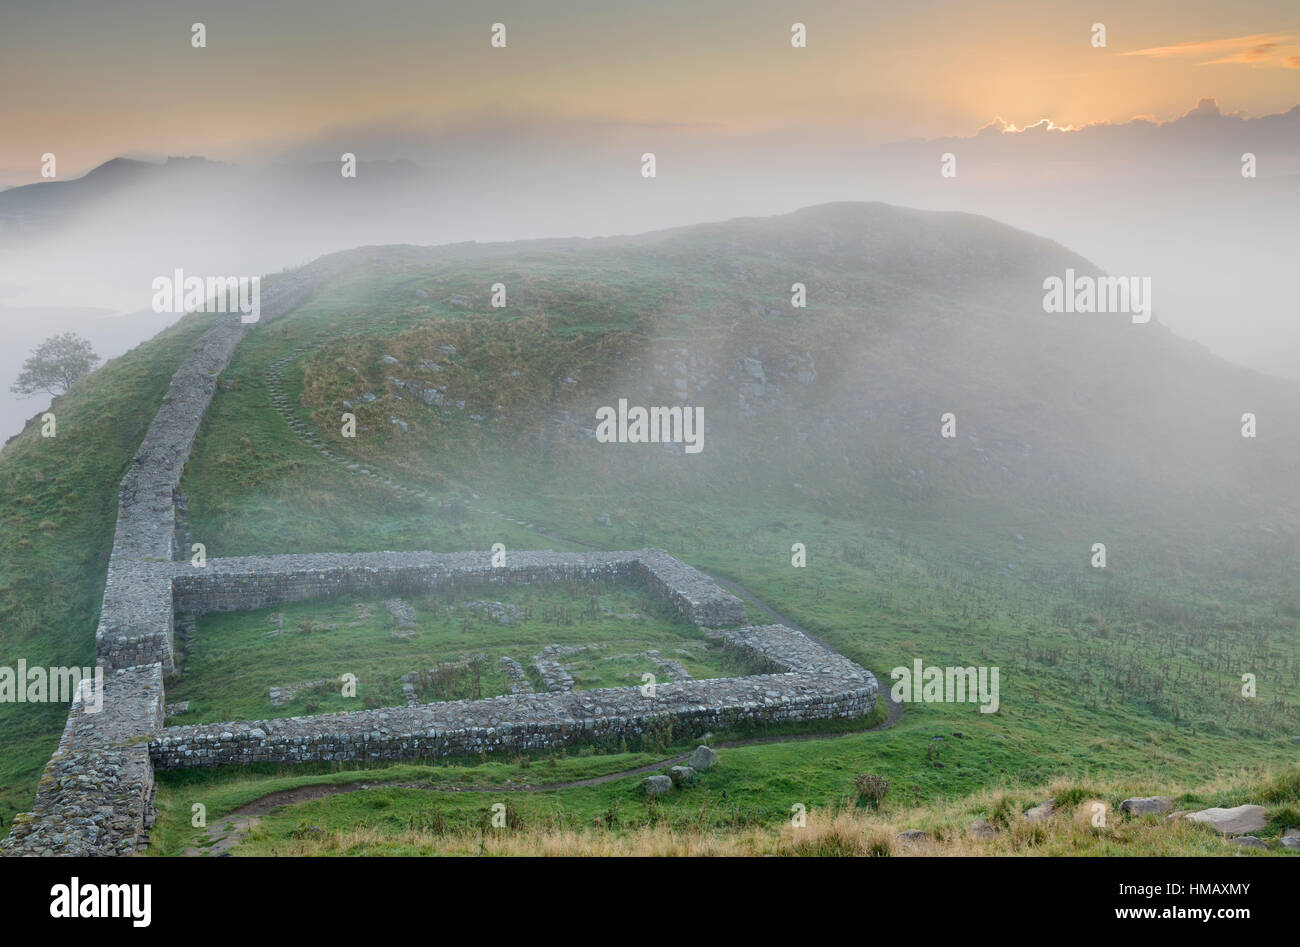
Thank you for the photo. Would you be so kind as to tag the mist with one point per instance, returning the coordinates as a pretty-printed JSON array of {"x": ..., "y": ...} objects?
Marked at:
[{"x": 1166, "y": 201}]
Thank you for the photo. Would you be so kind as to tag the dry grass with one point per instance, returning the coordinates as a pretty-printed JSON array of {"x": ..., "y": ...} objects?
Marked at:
[{"x": 1089, "y": 826}]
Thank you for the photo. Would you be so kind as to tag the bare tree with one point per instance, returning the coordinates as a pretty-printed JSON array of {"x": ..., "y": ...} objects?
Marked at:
[{"x": 55, "y": 365}]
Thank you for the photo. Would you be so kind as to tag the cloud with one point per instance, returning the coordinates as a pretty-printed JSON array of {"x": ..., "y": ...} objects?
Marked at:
[{"x": 1261, "y": 49}]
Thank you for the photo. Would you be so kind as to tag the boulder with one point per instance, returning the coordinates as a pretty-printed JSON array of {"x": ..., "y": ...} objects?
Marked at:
[
  {"x": 702, "y": 759},
  {"x": 1239, "y": 820},
  {"x": 1291, "y": 841},
  {"x": 1249, "y": 841},
  {"x": 682, "y": 776},
  {"x": 982, "y": 829},
  {"x": 657, "y": 785},
  {"x": 1147, "y": 805},
  {"x": 913, "y": 835},
  {"x": 1040, "y": 813}
]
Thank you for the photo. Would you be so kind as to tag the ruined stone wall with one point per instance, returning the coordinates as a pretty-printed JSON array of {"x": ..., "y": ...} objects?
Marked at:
[
  {"x": 96, "y": 794},
  {"x": 819, "y": 685},
  {"x": 239, "y": 584},
  {"x": 135, "y": 621}
]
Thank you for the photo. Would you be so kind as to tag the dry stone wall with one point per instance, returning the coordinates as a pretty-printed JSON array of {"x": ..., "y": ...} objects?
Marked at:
[
  {"x": 95, "y": 796},
  {"x": 818, "y": 684}
]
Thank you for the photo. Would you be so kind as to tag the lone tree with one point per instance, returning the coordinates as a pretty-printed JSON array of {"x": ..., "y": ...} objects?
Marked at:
[{"x": 55, "y": 365}]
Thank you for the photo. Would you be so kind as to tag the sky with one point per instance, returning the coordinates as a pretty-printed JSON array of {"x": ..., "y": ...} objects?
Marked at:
[
  {"x": 88, "y": 82},
  {"x": 1127, "y": 153}
]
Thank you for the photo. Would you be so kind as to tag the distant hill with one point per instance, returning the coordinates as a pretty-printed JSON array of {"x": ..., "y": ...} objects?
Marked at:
[{"x": 910, "y": 315}]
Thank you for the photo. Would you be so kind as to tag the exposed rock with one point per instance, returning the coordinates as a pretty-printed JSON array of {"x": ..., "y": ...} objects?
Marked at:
[
  {"x": 983, "y": 829},
  {"x": 1248, "y": 841},
  {"x": 1041, "y": 813},
  {"x": 912, "y": 836},
  {"x": 1239, "y": 820},
  {"x": 683, "y": 776},
  {"x": 703, "y": 759},
  {"x": 657, "y": 785},
  {"x": 1147, "y": 805}
]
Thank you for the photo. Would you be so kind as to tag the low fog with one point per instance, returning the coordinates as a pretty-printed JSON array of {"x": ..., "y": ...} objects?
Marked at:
[{"x": 1167, "y": 201}]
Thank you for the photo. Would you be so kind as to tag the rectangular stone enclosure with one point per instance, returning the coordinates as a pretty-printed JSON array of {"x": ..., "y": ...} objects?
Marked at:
[{"x": 808, "y": 680}]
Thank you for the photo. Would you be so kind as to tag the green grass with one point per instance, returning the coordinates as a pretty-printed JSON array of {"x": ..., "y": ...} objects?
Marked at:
[
  {"x": 235, "y": 658},
  {"x": 1125, "y": 672}
]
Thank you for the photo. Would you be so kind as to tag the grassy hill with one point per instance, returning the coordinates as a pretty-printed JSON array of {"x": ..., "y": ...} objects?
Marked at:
[
  {"x": 58, "y": 508},
  {"x": 822, "y": 428}
]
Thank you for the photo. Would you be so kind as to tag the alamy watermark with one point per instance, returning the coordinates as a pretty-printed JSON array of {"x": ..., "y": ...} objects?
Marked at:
[
  {"x": 951, "y": 685},
  {"x": 1130, "y": 294},
  {"x": 655, "y": 425},
  {"x": 41, "y": 685},
  {"x": 180, "y": 293}
]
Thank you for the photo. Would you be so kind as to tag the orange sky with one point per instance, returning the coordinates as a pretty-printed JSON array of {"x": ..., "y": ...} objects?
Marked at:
[{"x": 89, "y": 82}]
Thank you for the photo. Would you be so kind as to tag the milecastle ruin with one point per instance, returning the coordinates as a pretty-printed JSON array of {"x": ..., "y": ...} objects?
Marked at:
[{"x": 96, "y": 794}]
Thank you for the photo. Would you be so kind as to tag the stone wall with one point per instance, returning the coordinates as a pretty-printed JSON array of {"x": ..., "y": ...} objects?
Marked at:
[
  {"x": 238, "y": 584},
  {"x": 96, "y": 794},
  {"x": 135, "y": 621},
  {"x": 817, "y": 685}
]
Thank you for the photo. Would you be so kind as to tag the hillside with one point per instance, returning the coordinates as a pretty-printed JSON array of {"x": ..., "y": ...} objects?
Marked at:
[{"x": 822, "y": 427}]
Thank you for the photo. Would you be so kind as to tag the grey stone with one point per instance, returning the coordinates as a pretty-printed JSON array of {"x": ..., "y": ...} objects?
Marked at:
[
  {"x": 1147, "y": 805},
  {"x": 683, "y": 776},
  {"x": 1041, "y": 813},
  {"x": 1239, "y": 820},
  {"x": 657, "y": 785},
  {"x": 703, "y": 758}
]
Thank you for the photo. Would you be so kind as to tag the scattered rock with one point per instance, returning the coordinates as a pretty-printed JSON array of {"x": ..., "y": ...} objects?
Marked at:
[
  {"x": 1041, "y": 813},
  {"x": 1239, "y": 820},
  {"x": 1249, "y": 841},
  {"x": 682, "y": 776},
  {"x": 1147, "y": 805},
  {"x": 913, "y": 835},
  {"x": 702, "y": 759},
  {"x": 402, "y": 613},
  {"x": 657, "y": 785},
  {"x": 983, "y": 829}
]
